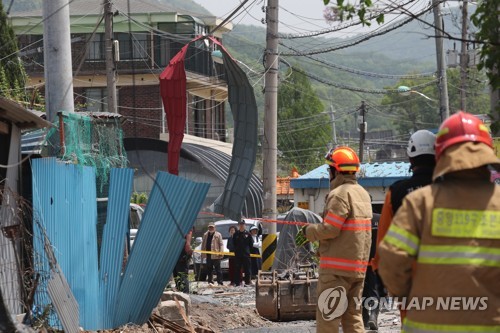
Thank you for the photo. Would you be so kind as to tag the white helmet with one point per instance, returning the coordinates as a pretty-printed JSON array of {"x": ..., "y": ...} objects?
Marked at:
[{"x": 421, "y": 143}]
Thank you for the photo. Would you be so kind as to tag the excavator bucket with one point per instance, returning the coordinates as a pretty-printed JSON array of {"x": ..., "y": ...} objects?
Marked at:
[
  {"x": 290, "y": 295},
  {"x": 266, "y": 298}
]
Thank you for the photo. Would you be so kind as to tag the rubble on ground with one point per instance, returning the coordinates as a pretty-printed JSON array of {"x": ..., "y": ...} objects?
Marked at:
[{"x": 216, "y": 309}]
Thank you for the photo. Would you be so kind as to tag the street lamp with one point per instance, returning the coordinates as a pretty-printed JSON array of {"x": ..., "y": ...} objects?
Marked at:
[{"x": 406, "y": 91}]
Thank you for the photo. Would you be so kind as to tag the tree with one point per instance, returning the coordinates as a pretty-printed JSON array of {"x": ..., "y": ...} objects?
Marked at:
[
  {"x": 302, "y": 131},
  {"x": 414, "y": 111},
  {"x": 12, "y": 74},
  {"x": 417, "y": 112},
  {"x": 477, "y": 101},
  {"x": 486, "y": 18}
]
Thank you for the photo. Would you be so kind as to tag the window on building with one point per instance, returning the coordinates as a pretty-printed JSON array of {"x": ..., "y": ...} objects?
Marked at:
[
  {"x": 163, "y": 53},
  {"x": 218, "y": 110},
  {"x": 95, "y": 50},
  {"x": 178, "y": 28},
  {"x": 199, "y": 117},
  {"x": 96, "y": 100},
  {"x": 139, "y": 49}
]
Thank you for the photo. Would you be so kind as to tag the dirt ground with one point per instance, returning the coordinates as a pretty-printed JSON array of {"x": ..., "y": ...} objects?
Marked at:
[
  {"x": 219, "y": 309},
  {"x": 227, "y": 317},
  {"x": 215, "y": 308}
]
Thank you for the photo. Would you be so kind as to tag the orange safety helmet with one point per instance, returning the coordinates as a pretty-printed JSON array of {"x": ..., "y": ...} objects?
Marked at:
[
  {"x": 461, "y": 127},
  {"x": 343, "y": 159}
]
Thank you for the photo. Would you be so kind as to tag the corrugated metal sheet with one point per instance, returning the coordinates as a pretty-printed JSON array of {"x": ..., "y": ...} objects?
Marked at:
[
  {"x": 64, "y": 199},
  {"x": 33, "y": 142},
  {"x": 113, "y": 242},
  {"x": 244, "y": 109},
  {"x": 371, "y": 174},
  {"x": 9, "y": 276},
  {"x": 219, "y": 163},
  {"x": 17, "y": 114},
  {"x": 65, "y": 206},
  {"x": 214, "y": 160},
  {"x": 9, "y": 272},
  {"x": 172, "y": 208},
  {"x": 64, "y": 301}
]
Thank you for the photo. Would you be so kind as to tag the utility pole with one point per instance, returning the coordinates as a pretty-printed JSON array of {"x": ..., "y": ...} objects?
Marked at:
[
  {"x": 444, "y": 108},
  {"x": 270, "y": 144},
  {"x": 110, "y": 60},
  {"x": 334, "y": 130},
  {"x": 362, "y": 129},
  {"x": 464, "y": 59},
  {"x": 57, "y": 58}
]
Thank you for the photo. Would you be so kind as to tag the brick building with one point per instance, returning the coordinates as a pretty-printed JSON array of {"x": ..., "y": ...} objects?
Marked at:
[{"x": 148, "y": 35}]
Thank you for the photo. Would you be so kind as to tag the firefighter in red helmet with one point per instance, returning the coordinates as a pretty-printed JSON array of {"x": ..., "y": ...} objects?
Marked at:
[
  {"x": 448, "y": 234},
  {"x": 344, "y": 245}
]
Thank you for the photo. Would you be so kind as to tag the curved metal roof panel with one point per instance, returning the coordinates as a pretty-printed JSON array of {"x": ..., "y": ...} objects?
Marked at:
[{"x": 214, "y": 160}]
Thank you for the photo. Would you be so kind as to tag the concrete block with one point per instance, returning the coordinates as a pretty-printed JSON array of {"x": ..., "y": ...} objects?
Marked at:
[
  {"x": 181, "y": 297},
  {"x": 170, "y": 310}
]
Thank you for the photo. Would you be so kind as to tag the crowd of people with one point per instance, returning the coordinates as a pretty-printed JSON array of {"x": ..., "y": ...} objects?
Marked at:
[
  {"x": 244, "y": 259},
  {"x": 438, "y": 236}
]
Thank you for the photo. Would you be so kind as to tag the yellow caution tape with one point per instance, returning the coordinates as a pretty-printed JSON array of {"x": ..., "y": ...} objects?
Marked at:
[{"x": 226, "y": 253}]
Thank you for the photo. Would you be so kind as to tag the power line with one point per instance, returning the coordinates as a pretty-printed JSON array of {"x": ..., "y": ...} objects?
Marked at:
[
  {"x": 370, "y": 74},
  {"x": 346, "y": 87},
  {"x": 352, "y": 43}
]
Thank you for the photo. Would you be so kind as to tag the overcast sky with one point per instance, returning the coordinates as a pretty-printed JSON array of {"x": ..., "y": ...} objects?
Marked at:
[{"x": 295, "y": 16}]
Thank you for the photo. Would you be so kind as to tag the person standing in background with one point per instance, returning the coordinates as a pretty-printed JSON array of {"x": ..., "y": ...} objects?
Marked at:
[
  {"x": 181, "y": 269},
  {"x": 232, "y": 264},
  {"x": 212, "y": 242},
  {"x": 243, "y": 243},
  {"x": 257, "y": 245}
]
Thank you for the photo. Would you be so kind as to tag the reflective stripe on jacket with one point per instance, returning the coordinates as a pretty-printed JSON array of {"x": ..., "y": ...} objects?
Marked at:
[
  {"x": 450, "y": 232},
  {"x": 345, "y": 234}
]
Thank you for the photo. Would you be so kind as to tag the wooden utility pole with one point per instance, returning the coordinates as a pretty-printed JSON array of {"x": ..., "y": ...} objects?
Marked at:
[
  {"x": 270, "y": 141},
  {"x": 57, "y": 58},
  {"x": 362, "y": 131},
  {"x": 334, "y": 130},
  {"x": 110, "y": 59},
  {"x": 464, "y": 59},
  {"x": 444, "y": 108}
]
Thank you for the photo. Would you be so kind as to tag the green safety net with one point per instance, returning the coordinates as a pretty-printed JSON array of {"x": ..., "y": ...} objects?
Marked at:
[{"x": 91, "y": 141}]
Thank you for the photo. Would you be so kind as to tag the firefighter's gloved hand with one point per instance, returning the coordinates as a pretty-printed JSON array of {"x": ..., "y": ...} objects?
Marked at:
[{"x": 300, "y": 238}]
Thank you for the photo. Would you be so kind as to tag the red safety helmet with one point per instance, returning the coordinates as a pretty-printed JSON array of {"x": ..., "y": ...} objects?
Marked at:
[
  {"x": 461, "y": 127},
  {"x": 343, "y": 159}
]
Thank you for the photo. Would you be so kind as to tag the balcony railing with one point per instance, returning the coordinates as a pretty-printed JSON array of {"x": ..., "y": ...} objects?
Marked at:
[{"x": 198, "y": 59}]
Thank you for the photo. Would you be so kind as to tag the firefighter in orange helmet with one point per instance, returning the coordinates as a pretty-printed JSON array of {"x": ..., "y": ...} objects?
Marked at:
[
  {"x": 344, "y": 245},
  {"x": 449, "y": 232}
]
